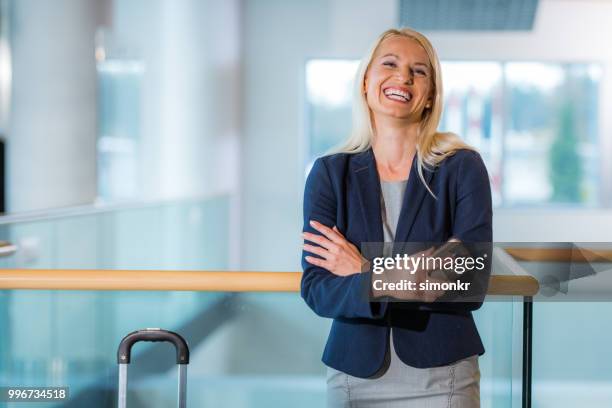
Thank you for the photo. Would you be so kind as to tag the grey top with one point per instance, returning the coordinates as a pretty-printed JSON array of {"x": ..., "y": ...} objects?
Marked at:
[{"x": 391, "y": 204}]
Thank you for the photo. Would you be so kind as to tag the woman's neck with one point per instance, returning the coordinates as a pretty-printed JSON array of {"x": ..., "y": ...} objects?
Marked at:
[{"x": 394, "y": 146}]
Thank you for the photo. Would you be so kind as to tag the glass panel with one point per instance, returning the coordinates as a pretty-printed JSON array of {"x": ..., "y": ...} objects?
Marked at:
[
  {"x": 248, "y": 350},
  {"x": 178, "y": 235},
  {"x": 500, "y": 333},
  {"x": 70, "y": 337},
  {"x": 572, "y": 354}
]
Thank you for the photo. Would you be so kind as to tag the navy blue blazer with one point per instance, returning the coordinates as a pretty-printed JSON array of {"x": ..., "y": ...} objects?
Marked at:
[{"x": 344, "y": 190}]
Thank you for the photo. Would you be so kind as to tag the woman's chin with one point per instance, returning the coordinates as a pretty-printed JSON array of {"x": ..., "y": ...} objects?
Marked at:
[{"x": 396, "y": 114}]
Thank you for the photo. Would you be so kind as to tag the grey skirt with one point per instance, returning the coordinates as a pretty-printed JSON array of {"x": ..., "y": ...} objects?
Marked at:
[{"x": 456, "y": 385}]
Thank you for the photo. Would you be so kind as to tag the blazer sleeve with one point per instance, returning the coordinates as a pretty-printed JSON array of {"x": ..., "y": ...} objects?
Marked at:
[
  {"x": 330, "y": 295},
  {"x": 472, "y": 220}
]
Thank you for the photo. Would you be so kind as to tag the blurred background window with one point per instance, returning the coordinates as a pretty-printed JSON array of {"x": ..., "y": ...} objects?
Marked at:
[{"x": 535, "y": 124}]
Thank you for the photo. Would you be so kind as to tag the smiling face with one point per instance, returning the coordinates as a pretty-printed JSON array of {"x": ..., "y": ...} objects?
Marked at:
[{"x": 398, "y": 82}]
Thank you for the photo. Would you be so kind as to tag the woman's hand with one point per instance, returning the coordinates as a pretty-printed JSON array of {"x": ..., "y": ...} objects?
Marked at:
[{"x": 340, "y": 257}]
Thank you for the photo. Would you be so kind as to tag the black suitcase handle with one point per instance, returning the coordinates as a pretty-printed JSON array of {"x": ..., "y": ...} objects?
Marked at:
[{"x": 125, "y": 347}]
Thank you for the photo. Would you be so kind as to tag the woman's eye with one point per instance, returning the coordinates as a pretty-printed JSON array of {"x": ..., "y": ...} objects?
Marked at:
[
  {"x": 389, "y": 63},
  {"x": 420, "y": 72}
]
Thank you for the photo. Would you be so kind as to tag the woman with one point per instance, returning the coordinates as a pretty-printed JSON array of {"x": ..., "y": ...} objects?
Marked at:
[{"x": 396, "y": 180}]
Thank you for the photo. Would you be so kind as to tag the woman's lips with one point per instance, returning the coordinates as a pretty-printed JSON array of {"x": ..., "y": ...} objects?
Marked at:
[
  {"x": 397, "y": 94},
  {"x": 397, "y": 98}
]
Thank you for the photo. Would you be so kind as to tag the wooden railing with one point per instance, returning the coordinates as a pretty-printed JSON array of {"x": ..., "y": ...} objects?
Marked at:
[
  {"x": 213, "y": 281},
  {"x": 244, "y": 281},
  {"x": 559, "y": 254}
]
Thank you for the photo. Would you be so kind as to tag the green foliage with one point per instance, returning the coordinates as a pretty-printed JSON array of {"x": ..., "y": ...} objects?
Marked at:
[{"x": 565, "y": 163}]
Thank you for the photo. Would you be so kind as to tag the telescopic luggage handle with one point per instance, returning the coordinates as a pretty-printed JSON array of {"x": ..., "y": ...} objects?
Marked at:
[
  {"x": 182, "y": 359},
  {"x": 125, "y": 347}
]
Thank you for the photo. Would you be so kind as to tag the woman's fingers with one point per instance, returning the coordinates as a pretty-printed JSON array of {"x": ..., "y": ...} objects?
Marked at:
[
  {"x": 317, "y": 261},
  {"x": 320, "y": 240},
  {"x": 316, "y": 250},
  {"x": 332, "y": 235},
  {"x": 336, "y": 253}
]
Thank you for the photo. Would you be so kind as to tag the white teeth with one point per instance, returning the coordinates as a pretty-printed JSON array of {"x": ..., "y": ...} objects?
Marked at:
[{"x": 397, "y": 92}]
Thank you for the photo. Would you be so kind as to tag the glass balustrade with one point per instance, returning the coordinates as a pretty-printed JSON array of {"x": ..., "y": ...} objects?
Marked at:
[
  {"x": 251, "y": 349},
  {"x": 247, "y": 349}
]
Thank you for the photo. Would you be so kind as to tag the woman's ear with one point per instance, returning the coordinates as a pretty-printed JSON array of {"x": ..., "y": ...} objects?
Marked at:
[{"x": 430, "y": 100}]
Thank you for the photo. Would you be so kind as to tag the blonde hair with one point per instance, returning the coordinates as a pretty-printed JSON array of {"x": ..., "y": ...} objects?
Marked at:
[{"x": 432, "y": 146}]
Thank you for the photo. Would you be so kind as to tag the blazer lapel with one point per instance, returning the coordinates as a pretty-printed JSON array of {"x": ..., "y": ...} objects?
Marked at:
[
  {"x": 367, "y": 185},
  {"x": 411, "y": 203}
]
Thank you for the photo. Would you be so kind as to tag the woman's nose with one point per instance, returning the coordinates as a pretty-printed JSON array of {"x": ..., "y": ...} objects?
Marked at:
[{"x": 406, "y": 77}]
